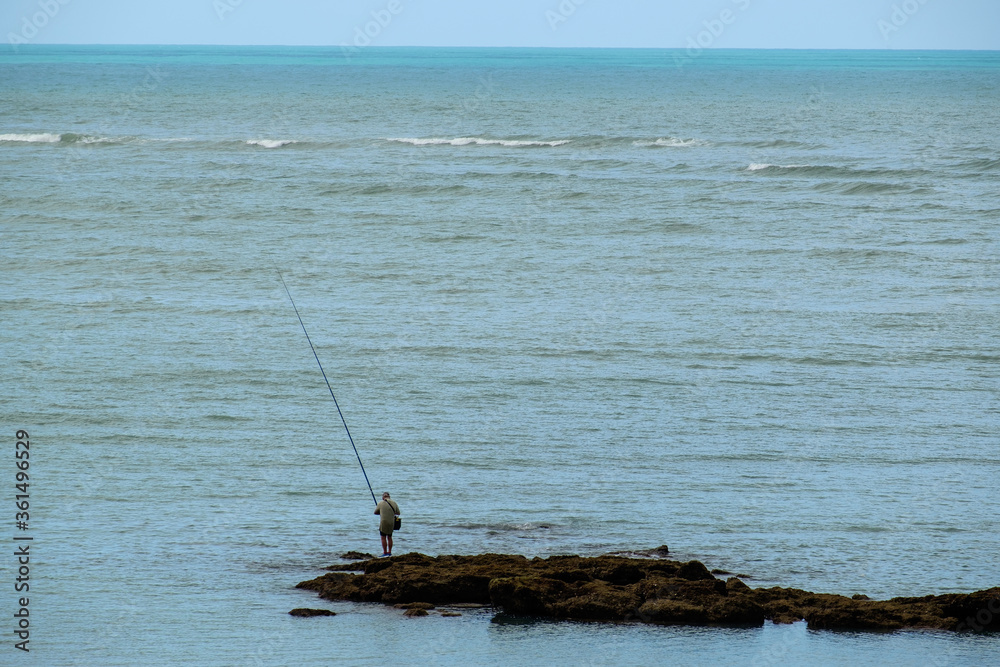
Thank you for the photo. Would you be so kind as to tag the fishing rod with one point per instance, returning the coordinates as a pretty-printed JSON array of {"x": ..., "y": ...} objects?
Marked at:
[{"x": 342, "y": 420}]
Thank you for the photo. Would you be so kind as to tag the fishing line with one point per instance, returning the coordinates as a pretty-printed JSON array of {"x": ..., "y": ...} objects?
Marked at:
[{"x": 342, "y": 420}]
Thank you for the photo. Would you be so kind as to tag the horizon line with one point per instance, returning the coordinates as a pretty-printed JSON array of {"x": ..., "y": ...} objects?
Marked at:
[{"x": 458, "y": 46}]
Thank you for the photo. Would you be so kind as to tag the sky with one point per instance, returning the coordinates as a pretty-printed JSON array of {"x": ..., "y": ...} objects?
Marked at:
[{"x": 795, "y": 24}]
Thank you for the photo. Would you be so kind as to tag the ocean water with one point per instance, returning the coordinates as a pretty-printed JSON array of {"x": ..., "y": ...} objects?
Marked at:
[{"x": 571, "y": 301}]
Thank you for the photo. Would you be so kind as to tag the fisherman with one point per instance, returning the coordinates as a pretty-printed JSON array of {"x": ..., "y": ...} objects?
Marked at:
[{"x": 388, "y": 510}]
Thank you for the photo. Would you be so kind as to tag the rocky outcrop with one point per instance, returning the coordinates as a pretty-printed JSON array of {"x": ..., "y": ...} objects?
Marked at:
[
  {"x": 617, "y": 588},
  {"x": 309, "y": 613}
]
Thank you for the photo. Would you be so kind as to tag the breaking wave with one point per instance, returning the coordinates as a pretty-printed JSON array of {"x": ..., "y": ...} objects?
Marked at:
[
  {"x": 670, "y": 142},
  {"x": 270, "y": 143},
  {"x": 763, "y": 166},
  {"x": 475, "y": 141},
  {"x": 982, "y": 164},
  {"x": 42, "y": 138},
  {"x": 64, "y": 138},
  {"x": 835, "y": 171},
  {"x": 851, "y": 181},
  {"x": 864, "y": 188}
]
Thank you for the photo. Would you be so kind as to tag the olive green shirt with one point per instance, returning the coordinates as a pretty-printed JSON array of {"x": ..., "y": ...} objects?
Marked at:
[{"x": 387, "y": 509}]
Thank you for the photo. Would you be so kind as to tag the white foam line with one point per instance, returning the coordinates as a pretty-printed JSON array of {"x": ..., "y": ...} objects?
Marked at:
[
  {"x": 270, "y": 143},
  {"x": 44, "y": 138},
  {"x": 671, "y": 142},
  {"x": 477, "y": 141},
  {"x": 757, "y": 166}
]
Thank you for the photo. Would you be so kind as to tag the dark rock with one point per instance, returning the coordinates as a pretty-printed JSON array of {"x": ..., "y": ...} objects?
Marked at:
[
  {"x": 615, "y": 588},
  {"x": 736, "y": 610},
  {"x": 347, "y": 567},
  {"x": 570, "y": 576},
  {"x": 734, "y": 585},
  {"x": 619, "y": 573},
  {"x": 978, "y": 612},
  {"x": 356, "y": 555},
  {"x": 526, "y": 596},
  {"x": 312, "y": 612},
  {"x": 859, "y": 596},
  {"x": 694, "y": 570},
  {"x": 659, "y": 552},
  {"x": 416, "y": 612},
  {"x": 450, "y": 614},
  {"x": 597, "y": 601},
  {"x": 672, "y": 612}
]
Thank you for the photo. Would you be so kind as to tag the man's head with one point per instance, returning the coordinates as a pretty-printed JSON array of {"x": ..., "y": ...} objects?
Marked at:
[{"x": 385, "y": 496}]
